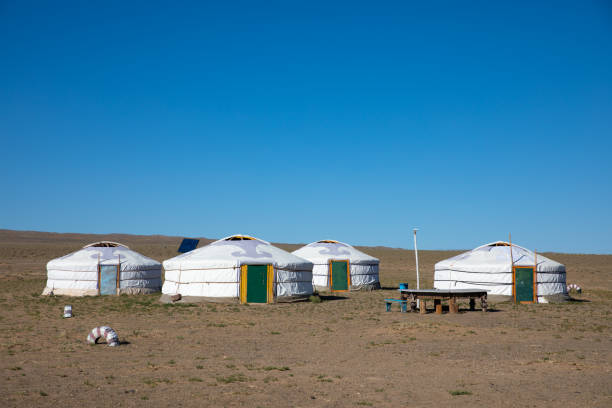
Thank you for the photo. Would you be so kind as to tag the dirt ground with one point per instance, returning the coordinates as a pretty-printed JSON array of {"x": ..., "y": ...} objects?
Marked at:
[{"x": 343, "y": 352}]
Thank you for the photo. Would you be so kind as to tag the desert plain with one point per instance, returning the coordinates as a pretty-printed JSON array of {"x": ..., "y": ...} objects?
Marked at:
[{"x": 345, "y": 351}]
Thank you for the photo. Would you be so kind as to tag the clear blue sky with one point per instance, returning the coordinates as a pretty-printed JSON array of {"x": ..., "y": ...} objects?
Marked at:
[{"x": 299, "y": 121}]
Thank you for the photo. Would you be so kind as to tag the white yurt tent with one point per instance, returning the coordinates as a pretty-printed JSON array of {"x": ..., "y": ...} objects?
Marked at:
[
  {"x": 340, "y": 267},
  {"x": 498, "y": 268},
  {"x": 237, "y": 268},
  {"x": 103, "y": 268}
]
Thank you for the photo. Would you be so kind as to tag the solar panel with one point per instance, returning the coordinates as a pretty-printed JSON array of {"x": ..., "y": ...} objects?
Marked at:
[{"x": 187, "y": 245}]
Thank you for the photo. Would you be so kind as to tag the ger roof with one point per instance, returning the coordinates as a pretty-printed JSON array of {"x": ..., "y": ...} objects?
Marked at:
[
  {"x": 236, "y": 250},
  {"x": 497, "y": 255},
  {"x": 320, "y": 252},
  {"x": 105, "y": 253}
]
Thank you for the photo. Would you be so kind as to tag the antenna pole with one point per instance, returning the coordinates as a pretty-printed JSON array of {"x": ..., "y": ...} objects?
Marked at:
[
  {"x": 512, "y": 268},
  {"x": 535, "y": 276},
  {"x": 511, "y": 257},
  {"x": 416, "y": 256}
]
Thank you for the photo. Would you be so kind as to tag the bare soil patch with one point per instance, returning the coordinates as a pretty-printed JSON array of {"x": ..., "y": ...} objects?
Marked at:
[{"x": 343, "y": 352}]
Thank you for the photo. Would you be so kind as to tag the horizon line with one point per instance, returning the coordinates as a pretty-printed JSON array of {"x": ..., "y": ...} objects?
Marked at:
[{"x": 286, "y": 243}]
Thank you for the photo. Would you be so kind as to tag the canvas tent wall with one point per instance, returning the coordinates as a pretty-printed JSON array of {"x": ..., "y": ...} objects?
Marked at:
[
  {"x": 490, "y": 267},
  {"x": 327, "y": 255},
  {"x": 81, "y": 273},
  {"x": 236, "y": 269}
]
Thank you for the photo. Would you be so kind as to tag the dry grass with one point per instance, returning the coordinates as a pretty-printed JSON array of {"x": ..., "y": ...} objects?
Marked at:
[{"x": 344, "y": 351}]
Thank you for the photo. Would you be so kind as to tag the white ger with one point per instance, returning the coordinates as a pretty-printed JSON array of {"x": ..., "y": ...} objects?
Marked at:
[
  {"x": 238, "y": 268},
  {"x": 103, "y": 268},
  {"x": 504, "y": 269},
  {"x": 340, "y": 267}
]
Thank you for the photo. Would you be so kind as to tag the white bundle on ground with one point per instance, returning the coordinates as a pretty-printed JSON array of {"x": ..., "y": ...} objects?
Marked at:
[
  {"x": 68, "y": 311},
  {"x": 112, "y": 339}
]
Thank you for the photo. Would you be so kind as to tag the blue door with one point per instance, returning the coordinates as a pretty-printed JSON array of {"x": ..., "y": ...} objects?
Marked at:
[{"x": 108, "y": 279}]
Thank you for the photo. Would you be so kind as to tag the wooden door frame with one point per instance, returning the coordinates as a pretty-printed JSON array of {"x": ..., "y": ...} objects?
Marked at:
[
  {"x": 348, "y": 275},
  {"x": 270, "y": 298},
  {"x": 117, "y": 280},
  {"x": 535, "y": 283}
]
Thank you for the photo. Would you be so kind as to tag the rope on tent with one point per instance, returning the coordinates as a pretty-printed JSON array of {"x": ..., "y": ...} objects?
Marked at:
[{"x": 112, "y": 339}]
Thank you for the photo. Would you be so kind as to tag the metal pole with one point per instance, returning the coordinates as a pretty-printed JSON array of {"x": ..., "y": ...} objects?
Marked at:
[
  {"x": 512, "y": 268},
  {"x": 416, "y": 255}
]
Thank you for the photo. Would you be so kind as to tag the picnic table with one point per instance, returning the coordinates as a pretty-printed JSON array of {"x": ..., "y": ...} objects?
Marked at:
[{"x": 438, "y": 295}]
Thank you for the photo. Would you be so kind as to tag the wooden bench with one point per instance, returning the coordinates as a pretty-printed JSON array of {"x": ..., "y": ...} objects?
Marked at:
[{"x": 403, "y": 304}]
